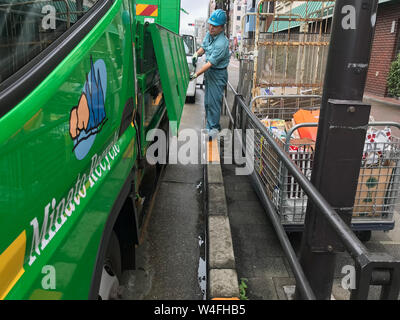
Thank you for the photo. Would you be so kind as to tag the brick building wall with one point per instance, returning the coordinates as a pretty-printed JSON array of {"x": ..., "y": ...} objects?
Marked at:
[{"x": 384, "y": 48}]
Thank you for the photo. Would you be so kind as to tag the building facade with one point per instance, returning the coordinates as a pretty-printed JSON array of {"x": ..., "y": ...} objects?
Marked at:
[
  {"x": 285, "y": 6},
  {"x": 386, "y": 44},
  {"x": 238, "y": 10},
  {"x": 386, "y": 47}
]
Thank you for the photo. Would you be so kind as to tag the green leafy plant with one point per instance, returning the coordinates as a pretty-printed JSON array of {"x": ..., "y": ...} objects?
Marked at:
[
  {"x": 242, "y": 289},
  {"x": 393, "y": 80}
]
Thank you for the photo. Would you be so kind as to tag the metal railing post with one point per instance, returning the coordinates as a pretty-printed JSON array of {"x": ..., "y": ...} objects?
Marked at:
[
  {"x": 341, "y": 136},
  {"x": 223, "y": 106}
]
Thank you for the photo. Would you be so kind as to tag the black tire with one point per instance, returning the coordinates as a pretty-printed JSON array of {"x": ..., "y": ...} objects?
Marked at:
[
  {"x": 114, "y": 254},
  {"x": 364, "y": 236}
]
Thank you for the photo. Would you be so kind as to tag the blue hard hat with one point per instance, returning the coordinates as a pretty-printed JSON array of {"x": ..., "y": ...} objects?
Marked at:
[{"x": 218, "y": 18}]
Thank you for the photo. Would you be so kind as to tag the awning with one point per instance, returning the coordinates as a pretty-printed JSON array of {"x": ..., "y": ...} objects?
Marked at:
[
  {"x": 306, "y": 10},
  {"x": 313, "y": 8}
]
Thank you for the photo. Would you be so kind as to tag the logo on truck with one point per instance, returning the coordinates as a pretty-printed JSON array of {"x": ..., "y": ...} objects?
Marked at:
[{"x": 89, "y": 116}]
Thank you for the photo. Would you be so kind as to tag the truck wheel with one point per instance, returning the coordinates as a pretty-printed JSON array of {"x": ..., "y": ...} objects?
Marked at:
[
  {"x": 111, "y": 274},
  {"x": 364, "y": 236}
]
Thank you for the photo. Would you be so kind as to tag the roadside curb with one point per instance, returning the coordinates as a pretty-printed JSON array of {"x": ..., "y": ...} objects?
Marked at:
[
  {"x": 222, "y": 276},
  {"x": 388, "y": 103}
]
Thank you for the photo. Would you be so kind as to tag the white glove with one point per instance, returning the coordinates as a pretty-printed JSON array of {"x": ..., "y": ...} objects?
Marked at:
[{"x": 193, "y": 76}]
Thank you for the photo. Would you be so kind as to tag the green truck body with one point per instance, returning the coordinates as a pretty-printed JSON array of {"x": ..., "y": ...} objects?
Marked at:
[
  {"x": 165, "y": 13},
  {"x": 73, "y": 125}
]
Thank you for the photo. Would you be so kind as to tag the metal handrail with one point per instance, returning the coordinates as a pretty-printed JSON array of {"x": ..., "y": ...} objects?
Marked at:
[
  {"x": 351, "y": 242},
  {"x": 283, "y": 96},
  {"x": 301, "y": 279},
  {"x": 227, "y": 109},
  {"x": 353, "y": 245}
]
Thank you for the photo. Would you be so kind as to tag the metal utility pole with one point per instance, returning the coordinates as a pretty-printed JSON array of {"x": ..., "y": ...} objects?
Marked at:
[{"x": 341, "y": 136}]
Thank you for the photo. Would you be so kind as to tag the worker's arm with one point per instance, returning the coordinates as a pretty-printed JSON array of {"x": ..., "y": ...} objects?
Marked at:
[
  {"x": 197, "y": 54},
  {"x": 215, "y": 58},
  {"x": 200, "y": 52},
  {"x": 205, "y": 67}
]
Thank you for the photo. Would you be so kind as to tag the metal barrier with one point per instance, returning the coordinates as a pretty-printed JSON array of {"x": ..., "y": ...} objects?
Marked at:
[
  {"x": 378, "y": 185},
  {"x": 371, "y": 268}
]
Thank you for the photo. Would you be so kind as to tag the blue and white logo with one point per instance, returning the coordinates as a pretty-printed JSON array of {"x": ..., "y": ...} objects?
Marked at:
[{"x": 89, "y": 116}]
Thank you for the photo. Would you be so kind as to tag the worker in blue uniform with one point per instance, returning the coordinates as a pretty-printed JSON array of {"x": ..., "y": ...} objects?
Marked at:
[{"x": 216, "y": 47}]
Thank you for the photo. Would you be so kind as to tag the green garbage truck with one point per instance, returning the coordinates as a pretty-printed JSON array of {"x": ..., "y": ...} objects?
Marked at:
[
  {"x": 164, "y": 13},
  {"x": 82, "y": 83}
]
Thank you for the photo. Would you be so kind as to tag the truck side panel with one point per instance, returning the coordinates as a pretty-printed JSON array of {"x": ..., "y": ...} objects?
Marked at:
[
  {"x": 167, "y": 15},
  {"x": 59, "y": 182},
  {"x": 174, "y": 71}
]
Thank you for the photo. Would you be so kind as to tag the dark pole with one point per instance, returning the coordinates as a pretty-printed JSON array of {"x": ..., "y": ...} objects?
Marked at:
[
  {"x": 227, "y": 9},
  {"x": 341, "y": 136},
  {"x": 79, "y": 8}
]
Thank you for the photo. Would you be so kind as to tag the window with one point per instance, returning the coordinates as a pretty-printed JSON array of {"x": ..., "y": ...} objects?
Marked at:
[
  {"x": 238, "y": 18},
  {"x": 188, "y": 42},
  {"x": 239, "y": 8},
  {"x": 29, "y": 27}
]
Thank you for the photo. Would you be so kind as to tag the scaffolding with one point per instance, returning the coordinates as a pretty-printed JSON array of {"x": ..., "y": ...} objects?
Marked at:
[
  {"x": 282, "y": 73},
  {"x": 288, "y": 52}
]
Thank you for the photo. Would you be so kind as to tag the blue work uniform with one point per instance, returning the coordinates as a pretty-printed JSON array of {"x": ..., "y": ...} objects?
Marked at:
[{"x": 217, "y": 53}]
